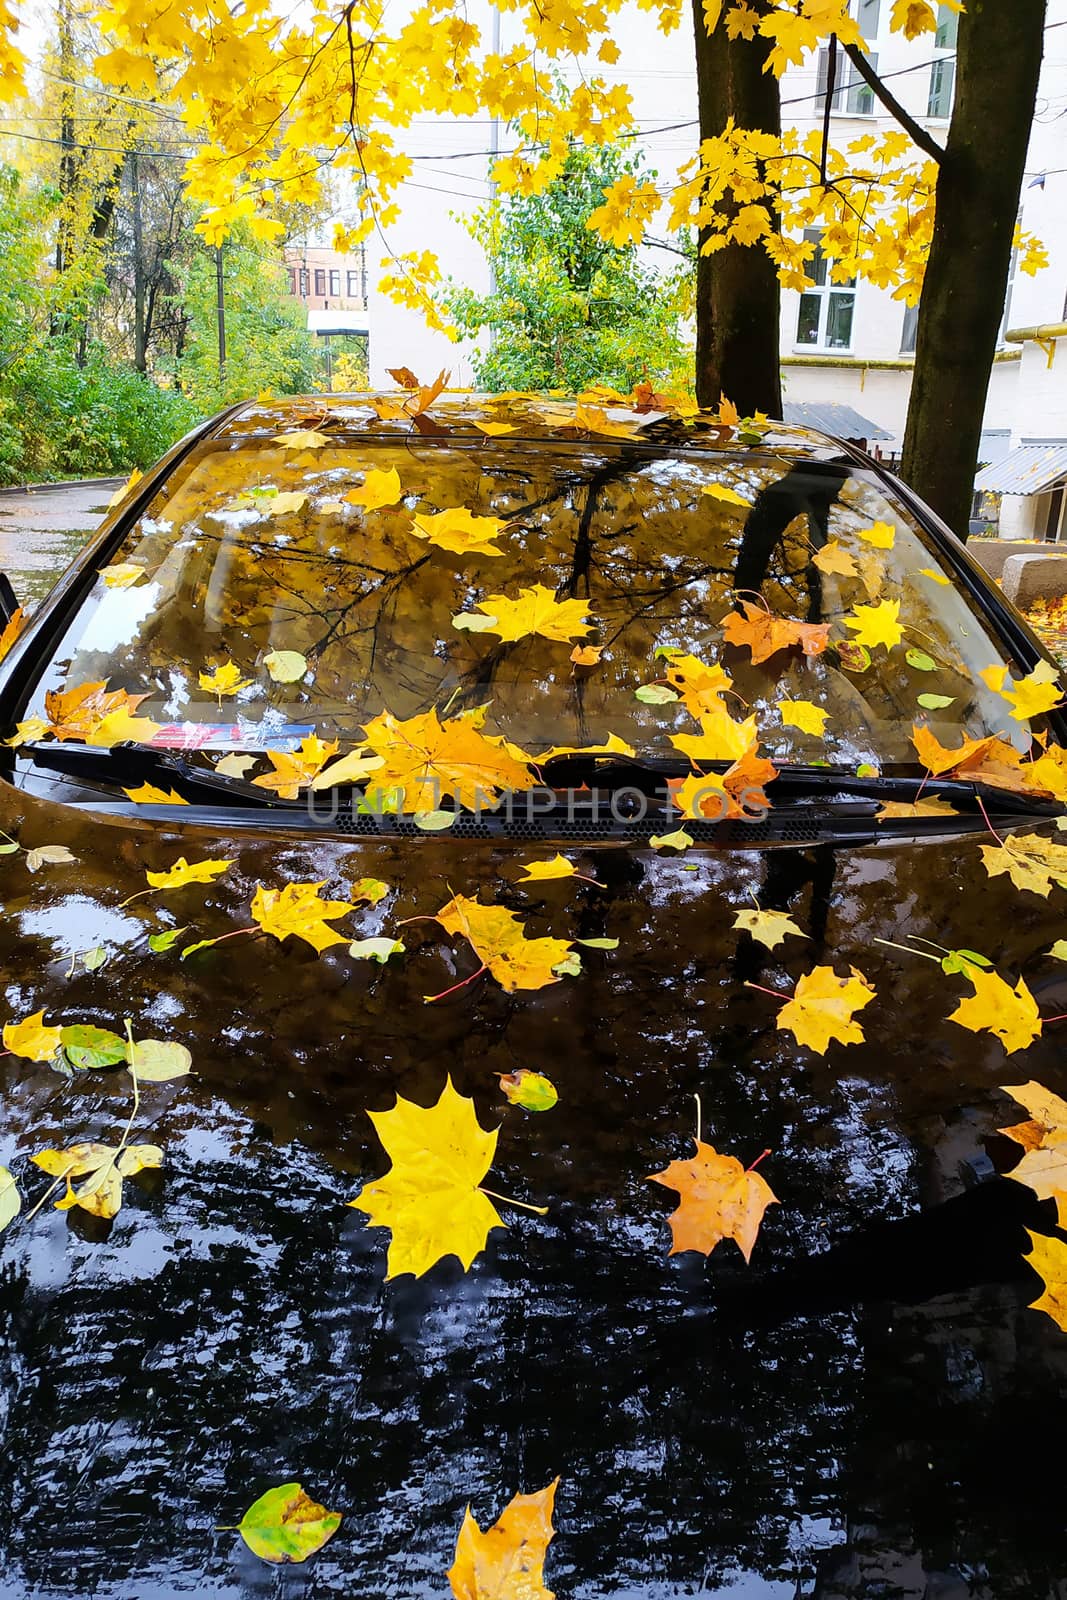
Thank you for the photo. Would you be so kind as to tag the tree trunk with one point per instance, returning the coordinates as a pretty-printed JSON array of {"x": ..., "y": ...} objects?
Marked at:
[
  {"x": 737, "y": 295},
  {"x": 997, "y": 67}
]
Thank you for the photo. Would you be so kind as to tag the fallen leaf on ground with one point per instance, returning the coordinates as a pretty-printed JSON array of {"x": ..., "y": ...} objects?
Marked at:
[
  {"x": 94, "y": 714},
  {"x": 730, "y": 497},
  {"x": 235, "y": 765},
  {"x": 822, "y": 1008},
  {"x": 298, "y": 911},
  {"x": 720, "y": 1200},
  {"x": 507, "y": 1561},
  {"x": 995, "y": 1007},
  {"x": 302, "y": 439},
  {"x": 699, "y": 687},
  {"x": 430, "y": 1199},
  {"x": 286, "y": 1525},
  {"x": 769, "y": 927},
  {"x": 585, "y": 657},
  {"x": 159, "y": 1060},
  {"x": 530, "y": 1090},
  {"x": 88, "y": 1048}
]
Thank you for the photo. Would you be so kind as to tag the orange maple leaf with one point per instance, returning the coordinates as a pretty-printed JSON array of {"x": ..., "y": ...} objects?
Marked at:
[
  {"x": 12, "y": 629},
  {"x": 499, "y": 940},
  {"x": 765, "y": 634},
  {"x": 425, "y": 759},
  {"x": 721, "y": 1199},
  {"x": 93, "y": 714},
  {"x": 699, "y": 687},
  {"x": 294, "y": 769},
  {"x": 718, "y": 796},
  {"x": 507, "y": 1561}
]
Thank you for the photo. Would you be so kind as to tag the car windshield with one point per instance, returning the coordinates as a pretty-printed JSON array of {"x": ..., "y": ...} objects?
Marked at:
[{"x": 361, "y": 557}]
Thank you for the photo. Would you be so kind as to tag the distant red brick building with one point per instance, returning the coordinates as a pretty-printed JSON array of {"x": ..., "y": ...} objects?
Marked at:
[{"x": 323, "y": 280}]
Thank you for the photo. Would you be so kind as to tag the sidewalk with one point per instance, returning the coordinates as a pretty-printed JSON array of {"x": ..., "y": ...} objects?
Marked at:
[{"x": 43, "y": 528}]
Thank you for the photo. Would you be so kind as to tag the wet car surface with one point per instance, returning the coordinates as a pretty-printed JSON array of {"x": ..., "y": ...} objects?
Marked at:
[{"x": 856, "y": 1413}]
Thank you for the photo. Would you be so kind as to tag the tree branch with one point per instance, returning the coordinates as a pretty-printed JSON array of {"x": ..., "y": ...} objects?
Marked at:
[{"x": 915, "y": 132}]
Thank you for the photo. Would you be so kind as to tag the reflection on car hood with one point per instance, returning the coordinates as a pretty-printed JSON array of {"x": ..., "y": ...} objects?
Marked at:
[{"x": 863, "y": 1392}]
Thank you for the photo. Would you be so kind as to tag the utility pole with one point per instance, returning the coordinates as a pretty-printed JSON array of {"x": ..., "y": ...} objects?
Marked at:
[
  {"x": 220, "y": 311},
  {"x": 494, "y": 149},
  {"x": 140, "y": 355}
]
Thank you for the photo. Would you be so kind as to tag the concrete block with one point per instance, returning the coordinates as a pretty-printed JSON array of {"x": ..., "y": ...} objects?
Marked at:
[
  {"x": 1029, "y": 578},
  {"x": 993, "y": 553}
]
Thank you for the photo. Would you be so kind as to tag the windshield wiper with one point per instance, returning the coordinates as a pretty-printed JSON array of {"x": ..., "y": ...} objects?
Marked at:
[
  {"x": 819, "y": 781},
  {"x": 128, "y": 766}
]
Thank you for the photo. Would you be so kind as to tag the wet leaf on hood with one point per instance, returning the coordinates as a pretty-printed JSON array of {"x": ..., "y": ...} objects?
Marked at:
[
  {"x": 764, "y": 633},
  {"x": 498, "y": 938},
  {"x": 1059, "y": 950},
  {"x": 536, "y": 611},
  {"x": 377, "y": 489},
  {"x": 32, "y": 1039},
  {"x": 558, "y": 867},
  {"x": 54, "y": 855},
  {"x": 1043, "y": 1167},
  {"x": 235, "y": 765},
  {"x": 159, "y": 1060},
  {"x": 103, "y": 1166},
  {"x": 224, "y": 679},
  {"x": 459, "y": 531},
  {"x": 678, "y": 840},
  {"x": 1048, "y": 1257},
  {"x": 159, "y": 942},
  {"x": 285, "y": 1524},
  {"x": 599, "y": 944},
  {"x": 149, "y": 795},
  {"x": 507, "y": 1561},
  {"x": 183, "y": 872},
  {"x": 995, "y": 1007},
  {"x": 286, "y": 666},
  {"x": 1030, "y": 861},
  {"x": 298, "y": 911},
  {"x": 88, "y": 1047},
  {"x": 10, "y": 1199},
  {"x": 963, "y": 960},
  {"x": 720, "y": 1199},
  {"x": 94, "y": 959},
  {"x": 530, "y": 1090},
  {"x": 769, "y": 927},
  {"x": 376, "y": 949},
  {"x": 823, "y": 1006},
  {"x": 430, "y": 1198}
]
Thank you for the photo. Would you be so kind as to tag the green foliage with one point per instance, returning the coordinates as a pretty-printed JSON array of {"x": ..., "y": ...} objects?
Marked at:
[{"x": 568, "y": 310}]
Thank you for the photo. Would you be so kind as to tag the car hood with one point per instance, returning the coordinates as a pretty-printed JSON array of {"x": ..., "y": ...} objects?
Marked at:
[{"x": 233, "y": 1327}]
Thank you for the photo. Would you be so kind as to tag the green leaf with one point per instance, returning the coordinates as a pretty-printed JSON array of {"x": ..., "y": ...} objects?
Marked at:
[
  {"x": 1059, "y": 950},
  {"x": 158, "y": 942},
  {"x": 570, "y": 966},
  {"x": 10, "y": 1200},
  {"x": 376, "y": 949},
  {"x": 866, "y": 770},
  {"x": 285, "y": 1525},
  {"x": 936, "y": 702},
  {"x": 434, "y": 821},
  {"x": 920, "y": 661},
  {"x": 9, "y": 850},
  {"x": 160, "y": 1060},
  {"x": 960, "y": 960},
  {"x": 530, "y": 1090},
  {"x": 87, "y": 1047},
  {"x": 201, "y": 944},
  {"x": 667, "y": 652},
  {"x": 599, "y": 944},
  {"x": 854, "y": 657},
  {"x": 655, "y": 694},
  {"x": 93, "y": 960},
  {"x": 372, "y": 889}
]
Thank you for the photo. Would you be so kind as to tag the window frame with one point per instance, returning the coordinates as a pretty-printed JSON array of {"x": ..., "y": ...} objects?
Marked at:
[
  {"x": 320, "y": 282},
  {"x": 824, "y": 290}
]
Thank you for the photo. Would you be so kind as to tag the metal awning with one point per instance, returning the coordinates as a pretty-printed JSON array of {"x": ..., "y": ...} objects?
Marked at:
[
  {"x": 1028, "y": 469},
  {"x": 841, "y": 421}
]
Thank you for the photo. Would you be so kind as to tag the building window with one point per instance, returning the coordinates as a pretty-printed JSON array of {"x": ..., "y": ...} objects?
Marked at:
[
  {"x": 320, "y": 281},
  {"x": 1013, "y": 267},
  {"x": 353, "y": 285},
  {"x": 335, "y": 283},
  {"x": 304, "y": 283},
  {"x": 867, "y": 17},
  {"x": 1054, "y": 528},
  {"x": 851, "y": 95},
  {"x": 826, "y": 309},
  {"x": 942, "y": 87},
  {"x": 909, "y": 330},
  {"x": 292, "y": 279},
  {"x": 948, "y": 25}
]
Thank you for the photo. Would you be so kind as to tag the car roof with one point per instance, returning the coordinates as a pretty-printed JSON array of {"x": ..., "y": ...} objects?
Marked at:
[{"x": 516, "y": 418}]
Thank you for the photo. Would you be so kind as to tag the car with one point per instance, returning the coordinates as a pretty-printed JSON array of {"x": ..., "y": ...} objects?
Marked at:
[{"x": 428, "y": 819}]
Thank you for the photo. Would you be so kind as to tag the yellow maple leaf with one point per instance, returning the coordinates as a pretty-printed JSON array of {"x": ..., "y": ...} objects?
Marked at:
[
  {"x": 298, "y": 911},
  {"x": 730, "y": 497},
  {"x": 494, "y": 430},
  {"x": 612, "y": 746},
  {"x": 537, "y": 611},
  {"x": 224, "y": 679},
  {"x": 1029, "y": 860},
  {"x": 874, "y": 625},
  {"x": 728, "y": 413},
  {"x": 803, "y": 714},
  {"x": 183, "y": 872},
  {"x": 914, "y": 17},
  {"x": 594, "y": 419},
  {"x": 430, "y": 1199},
  {"x": 506, "y": 1562},
  {"x": 118, "y": 727},
  {"x": 823, "y": 1006},
  {"x": 769, "y": 927},
  {"x": 935, "y": 577},
  {"x": 996, "y": 1007},
  {"x": 460, "y": 531},
  {"x": 882, "y": 535},
  {"x": 585, "y": 657},
  {"x": 1028, "y": 697},
  {"x": 426, "y": 760},
  {"x": 498, "y": 938},
  {"x": 1048, "y": 1257},
  {"x": 558, "y": 867},
  {"x": 302, "y": 439},
  {"x": 720, "y": 1199},
  {"x": 833, "y": 557},
  {"x": 81, "y": 712},
  {"x": 296, "y": 769},
  {"x": 720, "y": 737},
  {"x": 149, "y": 795},
  {"x": 379, "y": 488},
  {"x": 1043, "y": 1167},
  {"x": 699, "y": 687},
  {"x": 120, "y": 494},
  {"x": 103, "y": 1166},
  {"x": 123, "y": 575},
  {"x": 12, "y": 628},
  {"x": 351, "y": 768},
  {"x": 891, "y": 809},
  {"x": 32, "y": 1038}
]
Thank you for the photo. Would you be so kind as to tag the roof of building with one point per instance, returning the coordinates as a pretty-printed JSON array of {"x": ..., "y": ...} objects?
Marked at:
[
  {"x": 1028, "y": 469},
  {"x": 839, "y": 420}
]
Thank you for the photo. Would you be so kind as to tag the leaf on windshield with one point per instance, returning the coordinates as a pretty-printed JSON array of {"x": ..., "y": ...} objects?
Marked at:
[
  {"x": 530, "y": 1090},
  {"x": 995, "y": 1007},
  {"x": 506, "y": 1562},
  {"x": 1028, "y": 697},
  {"x": 720, "y": 1199},
  {"x": 537, "y": 611},
  {"x": 891, "y": 809},
  {"x": 224, "y": 679},
  {"x": 936, "y": 577},
  {"x": 882, "y": 535},
  {"x": 298, "y": 911},
  {"x": 32, "y": 1038},
  {"x": 734, "y": 793},
  {"x": 1030, "y": 861},
  {"x": 123, "y": 575},
  {"x": 427, "y": 759},
  {"x": 430, "y": 1198},
  {"x": 823, "y": 1007},
  {"x": 699, "y": 687},
  {"x": 720, "y": 737},
  {"x": 149, "y": 795},
  {"x": 120, "y": 494},
  {"x": 302, "y": 439},
  {"x": 494, "y": 430},
  {"x": 296, "y": 769},
  {"x": 183, "y": 872},
  {"x": 286, "y": 666},
  {"x": 103, "y": 1166},
  {"x": 459, "y": 531},
  {"x": 379, "y": 488},
  {"x": 235, "y": 765},
  {"x": 286, "y": 1525},
  {"x": 833, "y": 557},
  {"x": 875, "y": 625},
  {"x": 730, "y": 497},
  {"x": 803, "y": 714},
  {"x": 764, "y": 633},
  {"x": 769, "y": 927},
  {"x": 1043, "y": 1167},
  {"x": 93, "y": 714},
  {"x": 498, "y": 938}
]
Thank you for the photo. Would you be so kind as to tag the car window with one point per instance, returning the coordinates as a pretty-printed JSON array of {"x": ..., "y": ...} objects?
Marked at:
[{"x": 253, "y": 547}]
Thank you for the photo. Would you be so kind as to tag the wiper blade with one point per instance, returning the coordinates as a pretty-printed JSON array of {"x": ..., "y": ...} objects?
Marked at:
[
  {"x": 128, "y": 766},
  {"x": 818, "y": 781}
]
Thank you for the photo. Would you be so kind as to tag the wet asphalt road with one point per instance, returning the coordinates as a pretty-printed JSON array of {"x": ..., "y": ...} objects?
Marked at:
[{"x": 42, "y": 529}]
